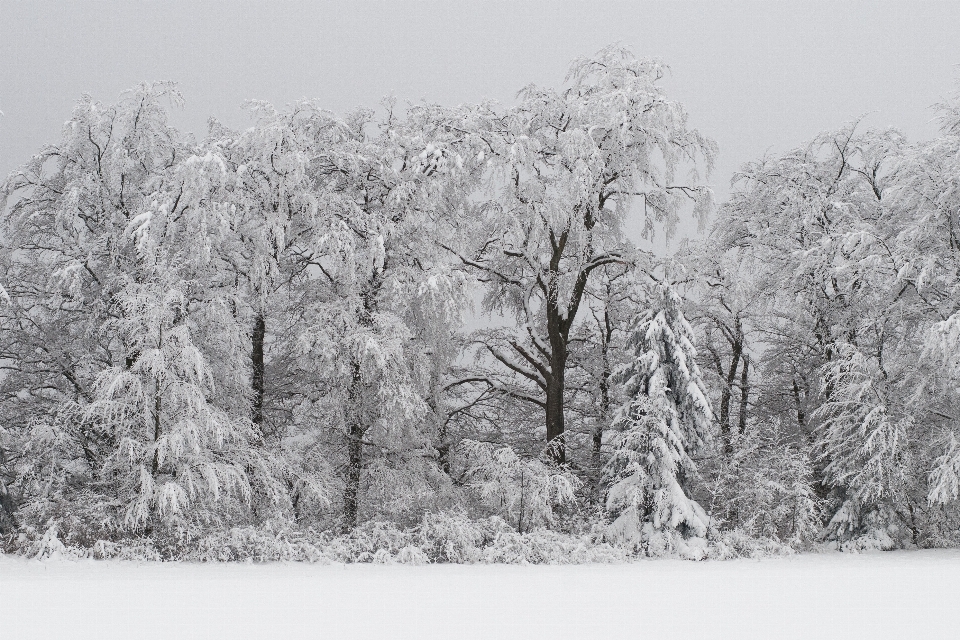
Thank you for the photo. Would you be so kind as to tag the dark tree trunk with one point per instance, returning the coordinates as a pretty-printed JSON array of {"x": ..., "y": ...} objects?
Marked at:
[
  {"x": 359, "y": 420},
  {"x": 130, "y": 360},
  {"x": 603, "y": 417},
  {"x": 726, "y": 392},
  {"x": 443, "y": 451},
  {"x": 157, "y": 406},
  {"x": 257, "y": 380},
  {"x": 604, "y": 411},
  {"x": 606, "y": 335},
  {"x": 443, "y": 445},
  {"x": 737, "y": 348},
  {"x": 801, "y": 418},
  {"x": 554, "y": 415},
  {"x": 8, "y": 505},
  {"x": 555, "y": 385},
  {"x": 553, "y": 408},
  {"x": 744, "y": 393},
  {"x": 351, "y": 492},
  {"x": 725, "y": 419}
]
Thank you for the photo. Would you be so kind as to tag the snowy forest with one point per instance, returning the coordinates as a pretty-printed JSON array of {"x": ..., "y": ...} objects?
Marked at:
[{"x": 422, "y": 333}]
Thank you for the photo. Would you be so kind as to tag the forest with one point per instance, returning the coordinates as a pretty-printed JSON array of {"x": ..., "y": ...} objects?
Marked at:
[{"x": 427, "y": 333}]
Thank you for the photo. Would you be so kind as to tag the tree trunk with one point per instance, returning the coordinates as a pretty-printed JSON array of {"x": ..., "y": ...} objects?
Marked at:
[
  {"x": 725, "y": 419},
  {"x": 735, "y": 339},
  {"x": 357, "y": 416},
  {"x": 801, "y": 418},
  {"x": 157, "y": 405},
  {"x": 8, "y": 505},
  {"x": 606, "y": 334},
  {"x": 604, "y": 411},
  {"x": 351, "y": 492},
  {"x": 553, "y": 408},
  {"x": 744, "y": 393},
  {"x": 257, "y": 380},
  {"x": 555, "y": 388},
  {"x": 443, "y": 451},
  {"x": 435, "y": 406},
  {"x": 726, "y": 394},
  {"x": 554, "y": 415},
  {"x": 726, "y": 391}
]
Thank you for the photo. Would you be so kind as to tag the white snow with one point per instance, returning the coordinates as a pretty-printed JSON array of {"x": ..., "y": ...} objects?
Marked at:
[{"x": 904, "y": 594}]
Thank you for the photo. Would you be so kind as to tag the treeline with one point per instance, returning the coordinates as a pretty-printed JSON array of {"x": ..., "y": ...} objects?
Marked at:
[{"x": 254, "y": 345}]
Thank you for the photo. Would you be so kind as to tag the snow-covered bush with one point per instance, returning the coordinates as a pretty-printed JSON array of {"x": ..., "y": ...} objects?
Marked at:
[
  {"x": 402, "y": 488},
  {"x": 524, "y": 492},
  {"x": 453, "y": 537},
  {"x": 258, "y": 544},
  {"x": 764, "y": 489},
  {"x": 736, "y": 543}
]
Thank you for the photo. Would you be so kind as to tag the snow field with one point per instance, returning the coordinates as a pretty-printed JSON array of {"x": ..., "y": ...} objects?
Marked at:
[{"x": 904, "y": 594}]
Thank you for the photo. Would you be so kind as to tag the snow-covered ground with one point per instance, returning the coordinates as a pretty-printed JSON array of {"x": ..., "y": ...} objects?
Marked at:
[{"x": 907, "y": 594}]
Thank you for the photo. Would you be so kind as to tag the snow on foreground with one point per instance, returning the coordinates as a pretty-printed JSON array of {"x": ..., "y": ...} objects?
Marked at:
[{"x": 902, "y": 594}]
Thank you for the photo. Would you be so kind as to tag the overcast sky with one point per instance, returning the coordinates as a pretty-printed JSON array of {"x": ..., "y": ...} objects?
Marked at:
[{"x": 755, "y": 76}]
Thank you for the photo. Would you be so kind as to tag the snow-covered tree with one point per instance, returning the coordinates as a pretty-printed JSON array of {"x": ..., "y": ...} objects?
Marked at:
[
  {"x": 726, "y": 302},
  {"x": 850, "y": 236},
  {"x": 929, "y": 253},
  {"x": 810, "y": 225},
  {"x": 666, "y": 418},
  {"x": 66, "y": 248},
  {"x": 367, "y": 309},
  {"x": 260, "y": 332},
  {"x": 563, "y": 170},
  {"x": 861, "y": 437},
  {"x": 114, "y": 242}
]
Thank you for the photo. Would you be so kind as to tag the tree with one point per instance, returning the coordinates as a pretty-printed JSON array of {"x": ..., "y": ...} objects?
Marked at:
[
  {"x": 861, "y": 436},
  {"x": 806, "y": 224},
  {"x": 612, "y": 302},
  {"x": 66, "y": 214},
  {"x": 727, "y": 297},
  {"x": 566, "y": 169},
  {"x": 665, "y": 418},
  {"x": 129, "y": 422},
  {"x": 375, "y": 308},
  {"x": 927, "y": 247},
  {"x": 851, "y": 232}
]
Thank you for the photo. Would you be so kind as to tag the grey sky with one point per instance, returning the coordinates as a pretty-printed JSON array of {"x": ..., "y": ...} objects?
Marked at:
[{"x": 755, "y": 76}]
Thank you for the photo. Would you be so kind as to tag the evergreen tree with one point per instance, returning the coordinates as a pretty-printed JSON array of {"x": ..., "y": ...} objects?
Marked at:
[{"x": 667, "y": 417}]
